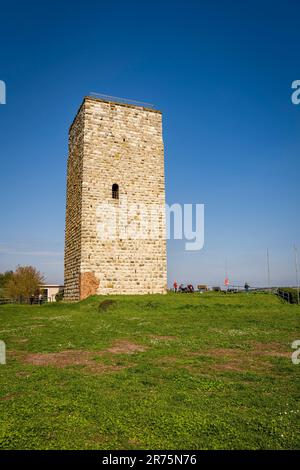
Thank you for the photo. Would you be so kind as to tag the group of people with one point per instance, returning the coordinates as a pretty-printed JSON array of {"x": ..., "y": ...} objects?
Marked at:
[
  {"x": 181, "y": 288},
  {"x": 39, "y": 299},
  {"x": 190, "y": 287}
]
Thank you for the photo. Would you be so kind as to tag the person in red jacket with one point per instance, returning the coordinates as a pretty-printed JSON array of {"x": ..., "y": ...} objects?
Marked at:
[{"x": 175, "y": 285}]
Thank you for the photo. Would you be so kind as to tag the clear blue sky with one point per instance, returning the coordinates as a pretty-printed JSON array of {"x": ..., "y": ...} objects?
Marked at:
[{"x": 221, "y": 73}]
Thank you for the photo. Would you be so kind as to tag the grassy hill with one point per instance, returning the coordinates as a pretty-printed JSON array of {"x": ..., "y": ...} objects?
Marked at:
[{"x": 185, "y": 371}]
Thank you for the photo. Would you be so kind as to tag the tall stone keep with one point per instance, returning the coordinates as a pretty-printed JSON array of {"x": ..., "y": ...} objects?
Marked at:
[{"x": 116, "y": 160}]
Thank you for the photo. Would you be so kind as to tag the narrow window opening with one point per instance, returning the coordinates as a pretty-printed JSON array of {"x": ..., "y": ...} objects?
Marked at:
[{"x": 115, "y": 191}]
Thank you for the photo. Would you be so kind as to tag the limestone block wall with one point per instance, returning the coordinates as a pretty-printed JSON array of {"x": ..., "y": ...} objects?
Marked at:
[
  {"x": 74, "y": 208},
  {"x": 113, "y": 143}
]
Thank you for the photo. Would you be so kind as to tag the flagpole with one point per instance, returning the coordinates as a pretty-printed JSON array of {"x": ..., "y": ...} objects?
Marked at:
[
  {"x": 296, "y": 268},
  {"x": 268, "y": 267},
  {"x": 226, "y": 274}
]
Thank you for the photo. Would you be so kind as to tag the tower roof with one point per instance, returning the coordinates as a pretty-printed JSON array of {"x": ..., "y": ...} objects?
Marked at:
[{"x": 117, "y": 102}]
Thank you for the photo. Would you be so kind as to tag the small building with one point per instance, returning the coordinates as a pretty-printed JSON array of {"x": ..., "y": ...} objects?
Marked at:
[
  {"x": 202, "y": 288},
  {"x": 49, "y": 291}
]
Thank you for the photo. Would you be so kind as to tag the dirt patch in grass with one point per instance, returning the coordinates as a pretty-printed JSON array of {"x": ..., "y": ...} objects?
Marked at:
[
  {"x": 240, "y": 360},
  {"x": 9, "y": 396},
  {"x": 228, "y": 359},
  {"x": 87, "y": 359},
  {"x": 125, "y": 347},
  {"x": 60, "y": 359},
  {"x": 90, "y": 360},
  {"x": 269, "y": 349},
  {"x": 258, "y": 349},
  {"x": 238, "y": 366}
]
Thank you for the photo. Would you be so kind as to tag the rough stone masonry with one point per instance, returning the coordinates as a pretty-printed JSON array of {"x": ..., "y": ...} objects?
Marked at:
[{"x": 115, "y": 153}]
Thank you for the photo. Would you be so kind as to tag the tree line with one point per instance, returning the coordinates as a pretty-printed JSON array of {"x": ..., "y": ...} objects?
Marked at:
[{"x": 21, "y": 284}]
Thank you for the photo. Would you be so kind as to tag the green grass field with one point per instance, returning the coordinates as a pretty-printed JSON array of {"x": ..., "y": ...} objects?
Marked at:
[{"x": 185, "y": 371}]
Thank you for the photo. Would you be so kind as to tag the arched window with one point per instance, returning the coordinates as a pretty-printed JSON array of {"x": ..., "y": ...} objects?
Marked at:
[{"x": 115, "y": 191}]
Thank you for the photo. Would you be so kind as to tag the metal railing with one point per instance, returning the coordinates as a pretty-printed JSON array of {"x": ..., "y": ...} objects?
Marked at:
[
  {"x": 24, "y": 301},
  {"x": 284, "y": 295},
  {"x": 6, "y": 301},
  {"x": 288, "y": 296},
  {"x": 116, "y": 99}
]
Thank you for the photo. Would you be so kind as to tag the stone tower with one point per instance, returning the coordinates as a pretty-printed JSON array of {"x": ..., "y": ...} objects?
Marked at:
[{"x": 116, "y": 160}]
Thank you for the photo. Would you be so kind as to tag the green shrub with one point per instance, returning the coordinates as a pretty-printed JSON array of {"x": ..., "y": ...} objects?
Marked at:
[
  {"x": 291, "y": 294},
  {"x": 59, "y": 296},
  {"x": 106, "y": 305}
]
